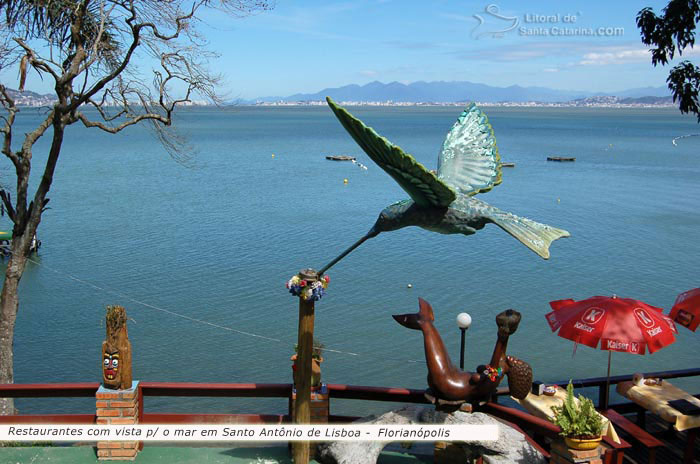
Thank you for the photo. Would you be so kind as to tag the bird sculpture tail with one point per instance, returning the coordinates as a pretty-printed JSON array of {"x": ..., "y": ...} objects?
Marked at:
[{"x": 533, "y": 235}]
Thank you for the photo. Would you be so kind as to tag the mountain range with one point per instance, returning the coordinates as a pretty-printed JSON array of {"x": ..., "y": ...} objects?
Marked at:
[
  {"x": 456, "y": 91},
  {"x": 431, "y": 92}
]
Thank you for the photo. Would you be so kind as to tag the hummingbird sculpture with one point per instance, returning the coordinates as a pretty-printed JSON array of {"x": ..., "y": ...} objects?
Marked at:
[{"x": 468, "y": 164}]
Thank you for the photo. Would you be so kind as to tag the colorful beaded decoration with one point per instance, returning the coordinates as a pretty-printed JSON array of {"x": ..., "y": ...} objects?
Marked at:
[
  {"x": 309, "y": 292},
  {"x": 492, "y": 373}
]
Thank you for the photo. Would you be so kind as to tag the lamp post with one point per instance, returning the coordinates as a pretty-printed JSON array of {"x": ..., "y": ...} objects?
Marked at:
[{"x": 464, "y": 320}]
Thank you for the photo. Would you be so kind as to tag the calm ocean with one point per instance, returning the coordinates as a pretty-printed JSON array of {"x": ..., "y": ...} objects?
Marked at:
[{"x": 200, "y": 254}]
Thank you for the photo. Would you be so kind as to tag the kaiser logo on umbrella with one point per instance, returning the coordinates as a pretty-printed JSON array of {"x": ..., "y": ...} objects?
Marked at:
[
  {"x": 614, "y": 324},
  {"x": 643, "y": 317},
  {"x": 593, "y": 315}
]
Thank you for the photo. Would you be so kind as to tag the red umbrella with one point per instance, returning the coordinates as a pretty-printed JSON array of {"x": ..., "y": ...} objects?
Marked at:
[
  {"x": 686, "y": 309},
  {"x": 618, "y": 324}
]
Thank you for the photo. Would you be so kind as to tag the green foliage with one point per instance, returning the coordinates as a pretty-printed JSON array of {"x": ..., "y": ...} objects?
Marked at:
[
  {"x": 53, "y": 21},
  {"x": 577, "y": 420},
  {"x": 25, "y": 444},
  {"x": 671, "y": 33}
]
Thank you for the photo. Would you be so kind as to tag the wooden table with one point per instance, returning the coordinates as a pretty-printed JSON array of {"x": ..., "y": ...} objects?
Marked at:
[
  {"x": 541, "y": 406},
  {"x": 654, "y": 399}
]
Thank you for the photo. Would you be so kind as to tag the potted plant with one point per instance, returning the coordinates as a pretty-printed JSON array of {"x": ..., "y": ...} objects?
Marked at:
[
  {"x": 581, "y": 425},
  {"x": 316, "y": 360}
]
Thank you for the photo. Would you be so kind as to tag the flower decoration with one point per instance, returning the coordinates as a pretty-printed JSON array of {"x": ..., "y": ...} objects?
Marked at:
[
  {"x": 492, "y": 373},
  {"x": 313, "y": 291}
]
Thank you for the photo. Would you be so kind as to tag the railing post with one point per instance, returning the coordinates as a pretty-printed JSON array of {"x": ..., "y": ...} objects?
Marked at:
[
  {"x": 302, "y": 407},
  {"x": 117, "y": 407},
  {"x": 139, "y": 405},
  {"x": 602, "y": 397}
]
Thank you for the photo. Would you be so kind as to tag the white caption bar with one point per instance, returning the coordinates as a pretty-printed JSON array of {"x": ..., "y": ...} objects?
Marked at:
[{"x": 243, "y": 432}]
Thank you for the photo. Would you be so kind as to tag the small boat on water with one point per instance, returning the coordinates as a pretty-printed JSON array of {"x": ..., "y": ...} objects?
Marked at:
[
  {"x": 340, "y": 158},
  {"x": 559, "y": 158},
  {"x": 6, "y": 238},
  {"x": 507, "y": 165}
]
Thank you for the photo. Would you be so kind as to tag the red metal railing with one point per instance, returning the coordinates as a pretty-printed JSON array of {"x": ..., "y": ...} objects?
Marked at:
[
  {"x": 230, "y": 390},
  {"x": 535, "y": 426}
]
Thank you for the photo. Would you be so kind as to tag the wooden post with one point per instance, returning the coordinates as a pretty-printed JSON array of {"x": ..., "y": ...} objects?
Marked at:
[{"x": 305, "y": 343}]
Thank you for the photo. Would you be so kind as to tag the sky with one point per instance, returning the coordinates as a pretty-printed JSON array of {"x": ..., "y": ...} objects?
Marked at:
[{"x": 304, "y": 46}]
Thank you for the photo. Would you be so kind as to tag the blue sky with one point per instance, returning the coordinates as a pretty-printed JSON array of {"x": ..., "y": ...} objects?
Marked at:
[
  {"x": 305, "y": 46},
  {"x": 309, "y": 45}
]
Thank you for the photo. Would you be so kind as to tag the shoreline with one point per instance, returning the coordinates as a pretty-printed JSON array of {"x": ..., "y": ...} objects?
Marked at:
[
  {"x": 462, "y": 104},
  {"x": 391, "y": 104}
]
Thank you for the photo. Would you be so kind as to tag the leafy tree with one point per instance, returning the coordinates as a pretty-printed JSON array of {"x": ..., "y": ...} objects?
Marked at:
[
  {"x": 672, "y": 33},
  {"x": 88, "y": 50}
]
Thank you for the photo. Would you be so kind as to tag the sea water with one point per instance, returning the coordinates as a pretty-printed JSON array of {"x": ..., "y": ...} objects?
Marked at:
[{"x": 199, "y": 252}]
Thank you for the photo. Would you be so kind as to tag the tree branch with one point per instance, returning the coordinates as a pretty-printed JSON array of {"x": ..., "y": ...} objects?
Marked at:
[
  {"x": 35, "y": 61},
  {"x": 9, "y": 104},
  {"x": 130, "y": 122}
]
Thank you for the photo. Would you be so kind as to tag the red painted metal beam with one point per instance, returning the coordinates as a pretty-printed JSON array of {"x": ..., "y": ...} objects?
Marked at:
[
  {"x": 615, "y": 379},
  {"x": 359, "y": 392},
  {"x": 48, "y": 390},
  {"x": 522, "y": 419},
  {"x": 235, "y": 390},
  {"x": 49, "y": 419},
  {"x": 171, "y": 418}
]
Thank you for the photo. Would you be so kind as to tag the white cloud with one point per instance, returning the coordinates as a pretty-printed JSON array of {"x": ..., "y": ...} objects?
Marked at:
[
  {"x": 550, "y": 70},
  {"x": 369, "y": 73},
  {"x": 526, "y": 50},
  {"x": 615, "y": 57}
]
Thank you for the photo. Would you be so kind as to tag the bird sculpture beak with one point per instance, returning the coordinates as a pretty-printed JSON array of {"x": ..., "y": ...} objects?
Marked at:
[{"x": 373, "y": 232}]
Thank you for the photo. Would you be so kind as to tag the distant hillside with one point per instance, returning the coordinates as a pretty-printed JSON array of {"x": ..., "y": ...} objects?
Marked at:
[
  {"x": 444, "y": 92},
  {"x": 648, "y": 100},
  {"x": 614, "y": 100},
  {"x": 29, "y": 98}
]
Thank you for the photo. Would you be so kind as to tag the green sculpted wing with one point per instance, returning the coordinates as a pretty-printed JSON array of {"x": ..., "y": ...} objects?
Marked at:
[
  {"x": 469, "y": 160},
  {"x": 421, "y": 185}
]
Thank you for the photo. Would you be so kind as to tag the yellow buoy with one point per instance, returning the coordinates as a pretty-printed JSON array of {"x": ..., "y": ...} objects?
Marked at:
[
  {"x": 558, "y": 200},
  {"x": 273, "y": 155},
  {"x": 345, "y": 181}
]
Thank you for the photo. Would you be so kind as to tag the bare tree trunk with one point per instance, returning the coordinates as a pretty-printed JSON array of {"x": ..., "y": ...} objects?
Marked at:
[
  {"x": 26, "y": 223},
  {"x": 9, "y": 303}
]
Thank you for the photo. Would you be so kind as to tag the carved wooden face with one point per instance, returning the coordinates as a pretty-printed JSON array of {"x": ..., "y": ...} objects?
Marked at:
[{"x": 110, "y": 367}]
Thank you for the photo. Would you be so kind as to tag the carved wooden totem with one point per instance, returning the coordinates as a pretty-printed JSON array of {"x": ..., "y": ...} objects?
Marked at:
[{"x": 116, "y": 351}]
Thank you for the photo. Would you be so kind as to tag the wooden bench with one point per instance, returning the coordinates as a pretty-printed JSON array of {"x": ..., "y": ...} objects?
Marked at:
[{"x": 637, "y": 433}]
